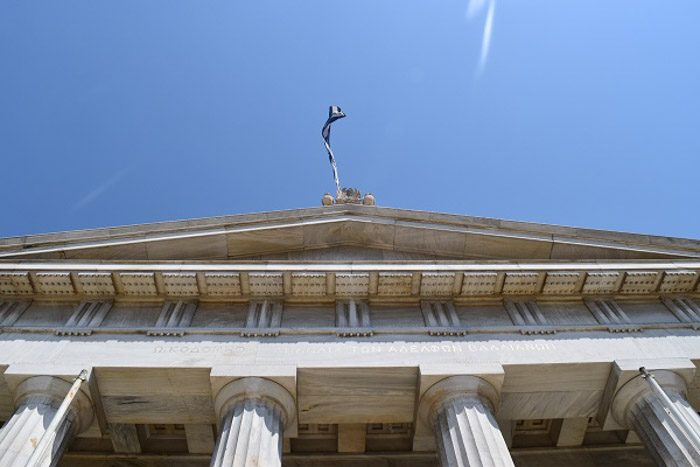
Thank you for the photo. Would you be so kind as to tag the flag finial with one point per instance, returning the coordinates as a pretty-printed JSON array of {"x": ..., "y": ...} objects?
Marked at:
[
  {"x": 342, "y": 195},
  {"x": 334, "y": 113}
]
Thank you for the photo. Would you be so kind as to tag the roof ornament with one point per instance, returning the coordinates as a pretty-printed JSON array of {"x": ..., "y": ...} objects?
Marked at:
[
  {"x": 349, "y": 196},
  {"x": 342, "y": 195}
]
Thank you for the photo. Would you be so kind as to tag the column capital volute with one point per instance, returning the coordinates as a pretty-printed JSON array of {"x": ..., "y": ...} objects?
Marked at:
[
  {"x": 52, "y": 390},
  {"x": 638, "y": 388},
  {"x": 455, "y": 387},
  {"x": 253, "y": 387}
]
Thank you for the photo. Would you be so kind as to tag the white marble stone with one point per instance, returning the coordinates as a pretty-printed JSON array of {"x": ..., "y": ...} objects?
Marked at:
[
  {"x": 200, "y": 438},
  {"x": 20, "y": 435},
  {"x": 670, "y": 440},
  {"x": 353, "y": 318},
  {"x": 174, "y": 318},
  {"x": 87, "y": 315},
  {"x": 461, "y": 409},
  {"x": 251, "y": 436},
  {"x": 352, "y": 437},
  {"x": 572, "y": 432},
  {"x": 329, "y": 301},
  {"x": 38, "y": 399},
  {"x": 254, "y": 413},
  {"x": 125, "y": 438},
  {"x": 468, "y": 434},
  {"x": 11, "y": 310}
]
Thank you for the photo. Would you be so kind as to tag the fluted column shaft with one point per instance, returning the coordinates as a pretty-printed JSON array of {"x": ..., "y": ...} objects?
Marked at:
[
  {"x": 460, "y": 411},
  {"x": 38, "y": 399},
  {"x": 22, "y": 432},
  {"x": 251, "y": 435},
  {"x": 665, "y": 430},
  {"x": 467, "y": 434},
  {"x": 664, "y": 436}
]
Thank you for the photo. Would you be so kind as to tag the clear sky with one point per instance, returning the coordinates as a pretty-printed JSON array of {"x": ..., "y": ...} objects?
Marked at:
[{"x": 573, "y": 112}]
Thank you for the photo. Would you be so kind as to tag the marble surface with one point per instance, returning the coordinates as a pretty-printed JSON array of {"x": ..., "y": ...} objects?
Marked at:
[
  {"x": 165, "y": 315},
  {"x": 383, "y": 228}
]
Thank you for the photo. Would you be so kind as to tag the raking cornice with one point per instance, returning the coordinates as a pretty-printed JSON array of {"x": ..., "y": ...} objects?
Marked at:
[{"x": 443, "y": 235}]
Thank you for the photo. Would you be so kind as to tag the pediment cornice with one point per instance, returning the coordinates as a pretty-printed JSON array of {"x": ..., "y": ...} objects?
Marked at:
[{"x": 255, "y": 236}]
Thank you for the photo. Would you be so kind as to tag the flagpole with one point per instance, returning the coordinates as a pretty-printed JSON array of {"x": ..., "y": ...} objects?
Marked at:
[
  {"x": 334, "y": 113},
  {"x": 671, "y": 408},
  {"x": 37, "y": 457},
  {"x": 335, "y": 169}
]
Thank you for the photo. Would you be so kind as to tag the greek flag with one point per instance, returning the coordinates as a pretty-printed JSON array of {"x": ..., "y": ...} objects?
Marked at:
[{"x": 334, "y": 113}]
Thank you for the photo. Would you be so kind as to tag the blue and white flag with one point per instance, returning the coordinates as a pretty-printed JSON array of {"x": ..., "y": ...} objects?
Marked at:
[{"x": 334, "y": 113}]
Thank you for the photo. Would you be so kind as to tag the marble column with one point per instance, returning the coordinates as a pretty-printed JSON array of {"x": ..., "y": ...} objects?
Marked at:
[
  {"x": 37, "y": 400},
  {"x": 253, "y": 414},
  {"x": 461, "y": 412},
  {"x": 668, "y": 439}
]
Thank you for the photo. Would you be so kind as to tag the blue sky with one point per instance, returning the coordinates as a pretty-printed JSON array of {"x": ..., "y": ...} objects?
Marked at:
[{"x": 582, "y": 113}]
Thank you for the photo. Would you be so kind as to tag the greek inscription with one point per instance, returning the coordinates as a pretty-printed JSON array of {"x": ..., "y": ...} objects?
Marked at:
[
  {"x": 368, "y": 349},
  {"x": 198, "y": 349},
  {"x": 425, "y": 348}
]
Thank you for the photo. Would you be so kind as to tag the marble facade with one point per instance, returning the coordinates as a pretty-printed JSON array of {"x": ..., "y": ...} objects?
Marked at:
[{"x": 350, "y": 335}]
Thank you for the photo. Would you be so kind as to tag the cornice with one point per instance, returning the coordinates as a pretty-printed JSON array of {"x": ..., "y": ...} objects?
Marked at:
[
  {"x": 66, "y": 242},
  {"x": 328, "y": 281}
]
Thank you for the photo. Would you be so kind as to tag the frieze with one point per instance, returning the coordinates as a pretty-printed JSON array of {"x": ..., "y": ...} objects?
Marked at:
[{"x": 328, "y": 281}]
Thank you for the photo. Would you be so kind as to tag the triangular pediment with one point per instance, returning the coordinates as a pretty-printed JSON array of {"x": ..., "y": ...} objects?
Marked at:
[
  {"x": 347, "y": 253},
  {"x": 345, "y": 233}
]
